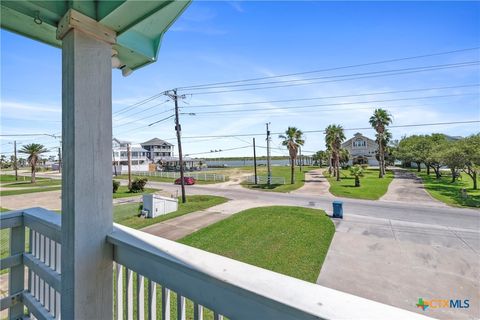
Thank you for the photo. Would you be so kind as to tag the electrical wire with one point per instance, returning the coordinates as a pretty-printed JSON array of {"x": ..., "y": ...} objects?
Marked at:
[
  {"x": 338, "y": 68},
  {"x": 331, "y": 97}
]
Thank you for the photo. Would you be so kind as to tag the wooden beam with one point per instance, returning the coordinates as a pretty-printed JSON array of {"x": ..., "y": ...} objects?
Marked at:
[{"x": 86, "y": 258}]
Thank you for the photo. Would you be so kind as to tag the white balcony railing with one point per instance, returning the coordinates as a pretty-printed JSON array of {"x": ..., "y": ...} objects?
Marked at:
[{"x": 149, "y": 268}]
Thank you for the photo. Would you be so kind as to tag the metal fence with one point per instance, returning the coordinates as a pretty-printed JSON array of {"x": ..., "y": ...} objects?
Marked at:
[
  {"x": 174, "y": 175},
  {"x": 264, "y": 180}
]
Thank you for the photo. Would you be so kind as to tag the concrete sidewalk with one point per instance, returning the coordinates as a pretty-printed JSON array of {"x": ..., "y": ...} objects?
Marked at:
[
  {"x": 179, "y": 227},
  {"x": 397, "y": 262}
]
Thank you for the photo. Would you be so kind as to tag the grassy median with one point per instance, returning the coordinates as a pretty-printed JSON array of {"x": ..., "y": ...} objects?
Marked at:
[
  {"x": 371, "y": 186},
  {"x": 289, "y": 240}
]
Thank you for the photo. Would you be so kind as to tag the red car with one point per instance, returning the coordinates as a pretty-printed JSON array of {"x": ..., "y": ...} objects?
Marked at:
[{"x": 186, "y": 180}]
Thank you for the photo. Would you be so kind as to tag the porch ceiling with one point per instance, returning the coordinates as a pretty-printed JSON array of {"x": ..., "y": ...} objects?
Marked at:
[{"x": 140, "y": 25}]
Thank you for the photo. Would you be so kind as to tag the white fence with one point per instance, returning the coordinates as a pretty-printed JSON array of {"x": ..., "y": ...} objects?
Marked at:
[
  {"x": 175, "y": 175},
  {"x": 264, "y": 180}
]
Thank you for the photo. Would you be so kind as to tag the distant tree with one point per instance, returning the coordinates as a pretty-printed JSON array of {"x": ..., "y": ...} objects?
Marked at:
[
  {"x": 453, "y": 158},
  {"x": 319, "y": 157},
  {"x": 434, "y": 149},
  {"x": 379, "y": 121},
  {"x": 344, "y": 157},
  {"x": 292, "y": 139},
  {"x": 334, "y": 136},
  {"x": 34, "y": 150},
  {"x": 356, "y": 171},
  {"x": 470, "y": 148}
]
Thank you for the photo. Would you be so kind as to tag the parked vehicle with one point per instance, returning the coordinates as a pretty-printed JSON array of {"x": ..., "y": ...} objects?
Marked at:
[{"x": 186, "y": 180}]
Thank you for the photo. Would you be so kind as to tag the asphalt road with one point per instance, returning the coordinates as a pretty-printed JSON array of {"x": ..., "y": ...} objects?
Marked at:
[{"x": 451, "y": 217}]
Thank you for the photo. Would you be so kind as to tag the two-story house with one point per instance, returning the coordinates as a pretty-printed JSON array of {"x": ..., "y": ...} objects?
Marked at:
[
  {"x": 138, "y": 156},
  {"x": 158, "y": 149},
  {"x": 362, "y": 150}
]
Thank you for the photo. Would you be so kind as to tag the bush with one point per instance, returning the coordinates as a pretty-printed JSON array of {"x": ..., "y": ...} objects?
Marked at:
[
  {"x": 116, "y": 184},
  {"x": 364, "y": 166},
  {"x": 138, "y": 185}
]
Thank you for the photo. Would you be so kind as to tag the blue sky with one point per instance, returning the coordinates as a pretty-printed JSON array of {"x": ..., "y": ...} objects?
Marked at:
[{"x": 218, "y": 41}]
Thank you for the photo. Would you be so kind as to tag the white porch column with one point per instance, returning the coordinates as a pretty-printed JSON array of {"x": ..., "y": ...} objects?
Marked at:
[{"x": 87, "y": 169}]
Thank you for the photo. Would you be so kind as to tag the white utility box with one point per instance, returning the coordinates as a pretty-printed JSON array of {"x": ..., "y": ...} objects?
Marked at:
[{"x": 156, "y": 205}]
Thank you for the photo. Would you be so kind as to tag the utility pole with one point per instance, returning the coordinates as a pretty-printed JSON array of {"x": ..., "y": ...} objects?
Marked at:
[
  {"x": 15, "y": 159},
  {"x": 269, "y": 169},
  {"x": 255, "y": 161},
  {"x": 129, "y": 156},
  {"x": 300, "y": 162},
  {"x": 114, "y": 163},
  {"x": 60, "y": 159},
  {"x": 178, "y": 129}
]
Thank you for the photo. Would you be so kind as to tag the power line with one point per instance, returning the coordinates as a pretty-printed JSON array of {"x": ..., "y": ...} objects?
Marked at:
[
  {"x": 329, "y": 81},
  {"x": 333, "y": 104},
  {"x": 331, "y": 97},
  {"x": 157, "y": 95},
  {"x": 336, "y": 68},
  {"x": 155, "y": 105},
  {"x": 144, "y": 118},
  {"x": 140, "y": 103},
  {"x": 420, "y": 68},
  {"x": 217, "y": 151},
  {"x": 323, "y": 130}
]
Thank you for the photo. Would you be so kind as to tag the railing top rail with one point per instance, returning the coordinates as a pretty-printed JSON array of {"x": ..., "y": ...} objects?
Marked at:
[
  {"x": 236, "y": 289},
  {"x": 42, "y": 220},
  {"x": 11, "y": 219}
]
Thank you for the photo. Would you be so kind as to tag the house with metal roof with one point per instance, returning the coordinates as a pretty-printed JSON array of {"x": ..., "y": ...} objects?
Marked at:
[{"x": 362, "y": 150}]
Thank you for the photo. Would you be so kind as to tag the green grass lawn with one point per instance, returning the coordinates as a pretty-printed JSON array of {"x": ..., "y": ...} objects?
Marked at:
[
  {"x": 446, "y": 191},
  {"x": 168, "y": 180},
  {"x": 11, "y": 178},
  {"x": 123, "y": 192},
  {"x": 18, "y": 191},
  {"x": 280, "y": 171},
  {"x": 38, "y": 183},
  {"x": 289, "y": 240},
  {"x": 371, "y": 187},
  {"x": 127, "y": 214}
]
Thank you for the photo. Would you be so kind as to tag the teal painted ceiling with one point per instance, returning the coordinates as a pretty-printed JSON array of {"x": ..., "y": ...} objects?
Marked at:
[{"x": 140, "y": 25}]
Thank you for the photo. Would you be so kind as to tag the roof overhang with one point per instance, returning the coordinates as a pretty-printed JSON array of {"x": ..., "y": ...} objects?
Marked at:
[{"x": 139, "y": 25}]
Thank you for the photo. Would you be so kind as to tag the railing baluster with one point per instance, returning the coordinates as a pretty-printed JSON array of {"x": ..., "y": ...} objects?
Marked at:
[
  {"x": 119, "y": 291},
  {"x": 41, "y": 248},
  {"x": 217, "y": 316},
  {"x": 52, "y": 302},
  {"x": 47, "y": 296},
  {"x": 37, "y": 287},
  {"x": 165, "y": 303},
  {"x": 37, "y": 245},
  {"x": 47, "y": 251},
  {"x": 197, "y": 311},
  {"x": 140, "y": 297},
  {"x": 58, "y": 302},
  {"x": 129, "y": 294},
  {"x": 53, "y": 247},
  {"x": 180, "y": 307},
  {"x": 42, "y": 291},
  {"x": 58, "y": 254},
  {"x": 16, "y": 274},
  {"x": 152, "y": 300}
]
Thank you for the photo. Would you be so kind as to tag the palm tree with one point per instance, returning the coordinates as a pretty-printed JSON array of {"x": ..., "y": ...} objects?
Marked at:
[
  {"x": 292, "y": 139},
  {"x": 34, "y": 150},
  {"x": 333, "y": 139},
  {"x": 356, "y": 171},
  {"x": 380, "y": 119}
]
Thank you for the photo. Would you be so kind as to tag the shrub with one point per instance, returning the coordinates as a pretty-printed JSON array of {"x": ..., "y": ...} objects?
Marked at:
[
  {"x": 116, "y": 184},
  {"x": 138, "y": 185},
  {"x": 356, "y": 171},
  {"x": 364, "y": 166}
]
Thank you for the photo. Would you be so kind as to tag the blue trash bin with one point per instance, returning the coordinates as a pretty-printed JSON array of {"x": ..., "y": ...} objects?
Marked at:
[{"x": 338, "y": 209}]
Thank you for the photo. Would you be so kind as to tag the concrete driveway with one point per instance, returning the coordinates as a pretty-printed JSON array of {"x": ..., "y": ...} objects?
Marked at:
[
  {"x": 407, "y": 187},
  {"x": 397, "y": 262}
]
